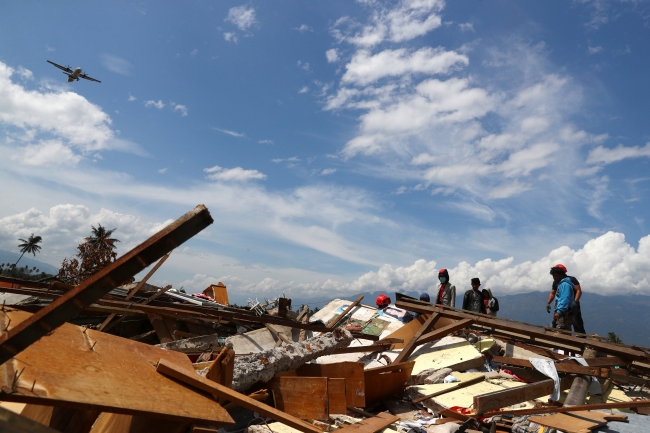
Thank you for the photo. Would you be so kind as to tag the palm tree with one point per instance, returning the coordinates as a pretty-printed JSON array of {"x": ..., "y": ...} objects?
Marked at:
[
  {"x": 29, "y": 246},
  {"x": 611, "y": 336},
  {"x": 101, "y": 237}
]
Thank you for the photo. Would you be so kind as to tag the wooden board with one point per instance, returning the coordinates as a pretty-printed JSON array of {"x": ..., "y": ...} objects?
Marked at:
[
  {"x": 67, "y": 420},
  {"x": 352, "y": 372},
  {"x": 119, "y": 423},
  {"x": 598, "y": 416},
  {"x": 406, "y": 332},
  {"x": 161, "y": 329},
  {"x": 561, "y": 367},
  {"x": 410, "y": 346},
  {"x": 566, "y": 423},
  {"x": 388, "y": 381},
  {"x": 496, "y": 400},
  {"x": 302, "y": 397},
  {"x": 336, "y": 396},
  {"x": 13, "y": 423},
  {"x": 87, "y": 369},
  {"x": 370, "y": 425}
]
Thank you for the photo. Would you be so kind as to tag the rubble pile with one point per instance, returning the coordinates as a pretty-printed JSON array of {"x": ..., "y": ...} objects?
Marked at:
[{"x": 103, "y": 357}]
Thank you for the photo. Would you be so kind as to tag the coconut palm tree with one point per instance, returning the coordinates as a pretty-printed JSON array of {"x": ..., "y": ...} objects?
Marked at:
[
  {"x": 100, "y": 237},
  {"x": 29, "y": 246}
]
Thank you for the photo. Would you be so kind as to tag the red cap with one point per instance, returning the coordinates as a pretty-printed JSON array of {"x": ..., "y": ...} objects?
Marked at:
[
  {"x": 382, "y": 300},
  {"x": 442, "y": 271},
  {"x": 561, "y": 266}
]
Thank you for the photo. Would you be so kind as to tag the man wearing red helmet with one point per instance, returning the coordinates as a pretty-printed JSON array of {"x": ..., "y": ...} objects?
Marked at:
[
  {"x": 578, "y": 324},
  {"x": 446, "y": 290},
  {"x": 564, "y": 298}
]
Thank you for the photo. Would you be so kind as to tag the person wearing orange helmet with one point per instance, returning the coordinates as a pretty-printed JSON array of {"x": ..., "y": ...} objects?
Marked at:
[{"x": 578, "y": 323}]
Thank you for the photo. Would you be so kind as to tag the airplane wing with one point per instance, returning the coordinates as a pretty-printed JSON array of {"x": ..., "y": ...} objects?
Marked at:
[
  {"x": 68, "y": 70},
  {"x": 86, "y": 77}
]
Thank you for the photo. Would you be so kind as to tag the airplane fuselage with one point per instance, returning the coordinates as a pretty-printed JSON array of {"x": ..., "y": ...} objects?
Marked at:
[{"x": 74, "y": 75}]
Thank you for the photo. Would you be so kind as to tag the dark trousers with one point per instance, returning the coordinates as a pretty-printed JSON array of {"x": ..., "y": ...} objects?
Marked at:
[{"x": 578, "y": 324}]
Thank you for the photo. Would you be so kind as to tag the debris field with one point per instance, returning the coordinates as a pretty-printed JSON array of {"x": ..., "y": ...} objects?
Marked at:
[{"x": 107, "y": 357}]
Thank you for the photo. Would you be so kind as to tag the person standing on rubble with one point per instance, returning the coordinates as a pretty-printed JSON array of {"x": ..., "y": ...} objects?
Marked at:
[
  {"x": 423, "y": 297},
  {"x": 491, "y": 303},
  {"x": 564, "y": 298},
  {"x": 578, "y": 324},
  {"x": 446, "y": 290},
  {"x": 473, "y": 299}
]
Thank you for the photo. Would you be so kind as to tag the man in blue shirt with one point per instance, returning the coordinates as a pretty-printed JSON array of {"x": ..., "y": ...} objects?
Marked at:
[{"x": 564, "y": 298}]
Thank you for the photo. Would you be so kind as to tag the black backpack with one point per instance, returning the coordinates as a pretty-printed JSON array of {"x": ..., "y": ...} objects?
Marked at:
[{"x": 496, "y": 304}]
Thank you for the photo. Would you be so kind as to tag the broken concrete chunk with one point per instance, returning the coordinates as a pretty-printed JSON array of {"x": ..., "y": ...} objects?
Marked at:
[
  {"x": 431, "y": 375},
  {"x": 262, "y": 366}
]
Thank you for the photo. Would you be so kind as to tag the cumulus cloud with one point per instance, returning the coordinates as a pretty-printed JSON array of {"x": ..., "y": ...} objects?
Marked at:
[
  {"x": 466, "y": 27},
  {"x": 157, "y": 104},
  {"x": 236, "y": 174},
  {"x": 303, "y": 28},
  {"x": 24, "y": 73},
  {"x": 46, "y": 153},
  {"x": 116, "y": 64},
  {"x": 303, "y": 65},
  {"x": 229, "y": 36},
  {"x": 303, "y": 89},
  {"x": 63, "y": 226},
  {"x": 241, "y": 16},
  {"x": 131, "y": 98},
  {"x": 332, "y": 55},
  {"x": 364, "y": 68},
  {"x": 229, "y": 132},
  {"x": 603, "y": 155},
  {"x": 327, "y": 171}
]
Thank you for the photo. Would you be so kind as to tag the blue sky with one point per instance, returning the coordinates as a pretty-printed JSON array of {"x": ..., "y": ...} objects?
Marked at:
[{"x": 340, "y": 146}]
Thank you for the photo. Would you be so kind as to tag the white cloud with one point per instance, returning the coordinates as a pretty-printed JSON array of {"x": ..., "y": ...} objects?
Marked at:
[
  {"x": 116, "y": 64},
  {"x": 466, "y": 27},
  {"x": 233, "y": 133},
  {"x": 594, "y": 50},
  {"x": 46, "y": 153},
  {"x": 303, "y": 28},
  {"x": 158, "y": 104},
  {"x": 603, "y": 155},
  {"x": 49, "y": 49},
  {"x": 181, "y": 108},
  {"x": 332, "y": 55},
  {"x": 265, "y": 141},
  {"x": 303, "y": 89},
  {"x": 236, "y": 174},
  {"x": 25, "y": 74},
  {"x": 241, "y": 16},
  {"x": 328, "y": 171},
  {"x": 603, "y": 265},
  {"x": 303, "y": 65},
  {"x": 194, "y": 52},
  {"x": 364, "y": 68},
  {"x": 407, "y": 20},
  {"x": 131, "y": 98},
  {"x": 229, "y": 36},
  {"x": 162, "y": 170}
]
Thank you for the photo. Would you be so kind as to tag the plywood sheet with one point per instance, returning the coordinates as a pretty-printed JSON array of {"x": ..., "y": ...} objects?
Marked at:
[
  {"x": 566, "y": 423},
  {"x": 95, "y": 370},
  {"x": 352, "y": 372},
  {"x": 380, "y": 386},
  {"x": 302, "y": 397},
  {"x": 449, "y": 355}
]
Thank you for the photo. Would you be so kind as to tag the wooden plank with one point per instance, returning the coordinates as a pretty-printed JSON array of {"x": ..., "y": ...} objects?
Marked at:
[
  {"x": 91, "y": 370},
  {"x": 352, "y": 372},
  {"x": 13, "y": 423},
  {"x": 370, "y": 425},
  {"x": 186, "y": 374},
  {"x": 598, "y": 416},
  {"x": 559, "y": 366},
  {"x": 135, "y": 289},
  {"x": 453, "y": 388},
  {"x": 406, "y": 332},
  {"x": 336, "y": 396},
  {"x": 171, "y": 327},
  {"x": 499, "y": 399},
  {"x": 532, "y": 330},
  {"x": 214, "y": 371},
  {"x": 444, "y": 331},
  {"x": 277, "y": 334},
  {"x": 119, "y": 423},
  {"x": 161, "y": 328},
  {"x": 566, "y": 409},
  {"x": 413, "y": 343},
  {"x": 566, "y": 423},
  {"x": 387, "y": 381},
  {"x": 73, "y": 302},
  {"x": 345, "y": 312},
  {"x": 302, "y": 397}
]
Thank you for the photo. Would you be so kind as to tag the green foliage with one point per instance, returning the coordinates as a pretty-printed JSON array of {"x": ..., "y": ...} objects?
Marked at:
[
  {"x": 613, "y": 338},
  {"x": 23, "y": 272}
]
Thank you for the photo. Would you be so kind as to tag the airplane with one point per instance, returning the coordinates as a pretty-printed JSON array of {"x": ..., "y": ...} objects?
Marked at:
[{"x": 73, "y": 75}]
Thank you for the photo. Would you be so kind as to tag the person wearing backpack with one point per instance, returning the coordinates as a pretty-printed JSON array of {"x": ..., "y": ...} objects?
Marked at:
[{"x": 491, "y": 303}]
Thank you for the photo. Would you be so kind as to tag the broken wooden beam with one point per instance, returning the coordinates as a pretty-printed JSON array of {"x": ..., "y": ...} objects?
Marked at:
[
  {"x": 460, "y": 385},
  {"x": 437, "y": 334},
  {"x": 563, "y": 409},
  {"x": 188, "y": 376},
  {"x": 371, "y": 425},
  {"x": 411, "y": 345},
  {"x": 345, "y": 312},
  {"x": 146, "y": 301},
  {"x": 91, "y": 289},
  {"x": 499, "y": 399},
  {"x": 561, "y": 367}
]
